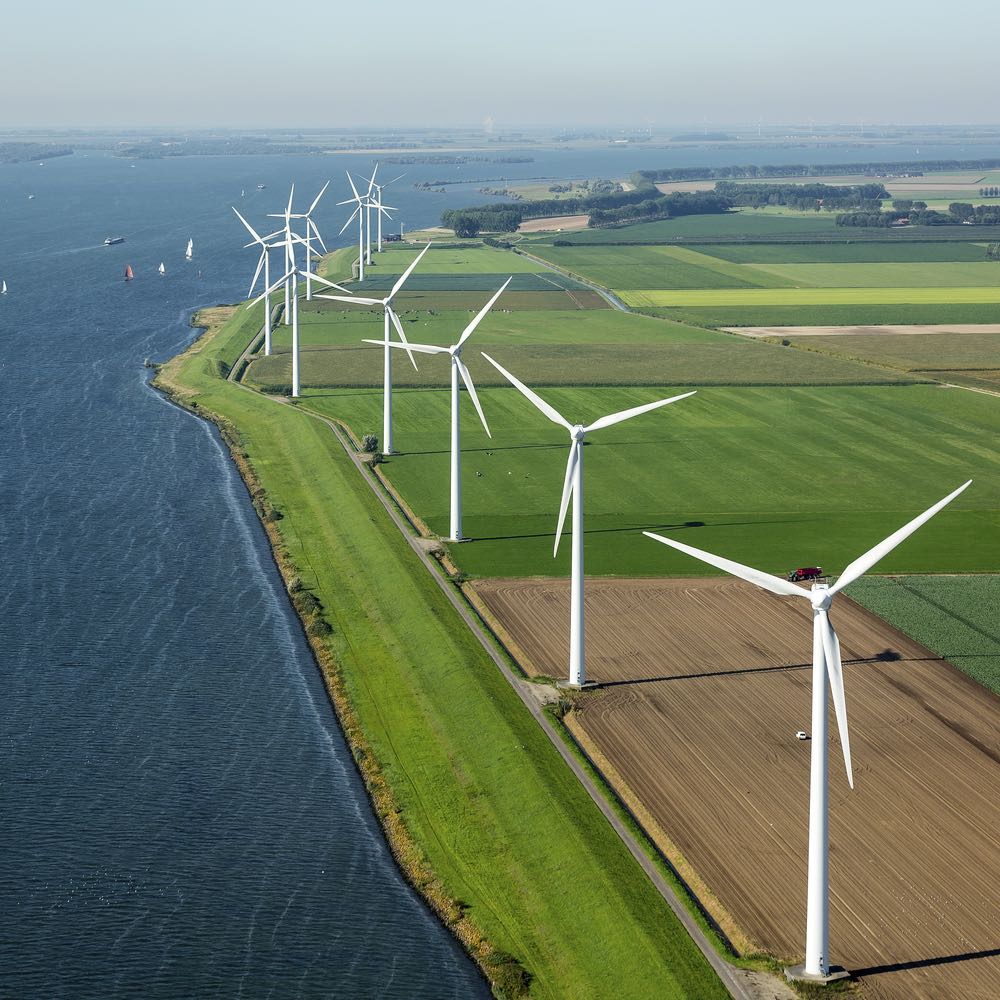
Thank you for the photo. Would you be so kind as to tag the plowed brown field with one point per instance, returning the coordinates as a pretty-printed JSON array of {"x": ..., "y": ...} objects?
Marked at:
[{"x": 705, "y": 683}]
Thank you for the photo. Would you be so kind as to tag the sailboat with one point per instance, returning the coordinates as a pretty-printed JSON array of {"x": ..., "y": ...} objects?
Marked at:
[
  {"x": 3, "y": 287},
  {"x": 128, "y": 272},
  {"x": 161, "y": 268},
  {"x": 189, "y": 253}
]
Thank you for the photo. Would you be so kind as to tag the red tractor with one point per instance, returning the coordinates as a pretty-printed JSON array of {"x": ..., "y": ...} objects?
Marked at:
[{"x": 805, "y": 573}]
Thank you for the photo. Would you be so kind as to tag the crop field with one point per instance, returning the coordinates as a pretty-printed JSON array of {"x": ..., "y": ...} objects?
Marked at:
[
  {"x": 984, "y": 379},
  {"x": 705, "y": 683},
  {"x": 890, "y": 251},
  {"x": 809, "y": 296},
  {"x": 775, "y": 477},
  {"x": 657, "y": 267},
  {"x": 462, "y": 260},
  {"x": 522, "y": 281},
  {"x": 939, "y": 274},
  {"x": 849, "y": 314},
  {"x": 956, "y": 616}
]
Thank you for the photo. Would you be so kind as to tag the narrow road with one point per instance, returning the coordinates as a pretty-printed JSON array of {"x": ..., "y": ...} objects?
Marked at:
[{"x": 605, "y": 293}]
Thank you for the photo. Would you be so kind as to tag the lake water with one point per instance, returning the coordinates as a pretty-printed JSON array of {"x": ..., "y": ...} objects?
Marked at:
[{"x": 179, "y": 816}]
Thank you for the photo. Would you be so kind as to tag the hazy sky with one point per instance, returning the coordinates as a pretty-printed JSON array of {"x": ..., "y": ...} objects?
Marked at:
[{"x": 402, "y": 62}]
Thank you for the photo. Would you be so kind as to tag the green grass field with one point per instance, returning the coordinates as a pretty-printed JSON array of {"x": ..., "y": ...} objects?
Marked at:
[
  {"x": 891, "y": 251},
  {"x": 774, "y": 477},
  {"x": 702, "y": 297},
  {"x": 494, "y": 811},
  {"x": 847, "y": 314},
  {"x": 955, "y": 616},
  {"x": 939, "y": 274}
]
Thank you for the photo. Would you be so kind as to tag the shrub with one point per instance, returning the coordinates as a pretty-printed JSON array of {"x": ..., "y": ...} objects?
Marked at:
[{"x": 369, "y": 442}]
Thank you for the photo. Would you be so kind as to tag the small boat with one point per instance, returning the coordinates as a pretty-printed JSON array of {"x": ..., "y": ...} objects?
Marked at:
[
  {"x": 128, "y": 272},
  {"x": 3, "y": 287},
  {"x": 189, "y": 253},
  {"x": 112, "y": 240},
  {"x": 243, "y": 192},
  {"x": 260, "y": 187},
  {"x": 161, "y": 268},
  {"x": 31, "y": 197}
]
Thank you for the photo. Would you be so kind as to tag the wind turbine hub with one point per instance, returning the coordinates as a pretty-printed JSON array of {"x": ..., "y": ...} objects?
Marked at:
[
  {"x": 821, "y": 597},
  {"x": 578, "y": 432}
]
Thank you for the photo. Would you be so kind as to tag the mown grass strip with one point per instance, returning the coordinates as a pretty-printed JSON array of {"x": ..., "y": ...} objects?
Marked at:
[
  {"x": 501, "y": 834},
  {"x": 805, "y": 296}
]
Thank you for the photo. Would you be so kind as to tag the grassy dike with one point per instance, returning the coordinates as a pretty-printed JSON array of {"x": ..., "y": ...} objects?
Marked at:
[{"x": 482, "y": 814}]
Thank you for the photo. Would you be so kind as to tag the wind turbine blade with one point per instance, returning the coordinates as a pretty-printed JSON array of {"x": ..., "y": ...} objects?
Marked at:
[
  {"x": 862, "y": 564},
  {"x": 399, "y": 330},
  {"x": 315, "y": 230},
  {"x": 291, "y": 195},
  {"x": 371, "y": 180},
  {"x": 467, "y": 379},
  {"x": 333, "y": 284},
  {"x": 393, "y": 181},
  {"x": 835, "y": 671},
  {"x": 774, "y": 584},
  {"x": 312, "y": 207},
  {"x": 386, "y": 209},
  {"x": 574, "y": 457},
  {"x": 354, "y": 215},
  {"x": 347, "y": 201},
  {"x": 422, "y": 348},
  {"x": 467, "y": 332},
  {"x": 273, "y": 287},
  {"x": 256, "y": 274},
  {"x": 617, "y": 418},
  {"x": 250, "y": 229},
  {"x": 553, "y": 414},
  {"x": 357, "y": 197},
  {"x": 353, "y": 299},
  {"x": 399, "y": 284}
]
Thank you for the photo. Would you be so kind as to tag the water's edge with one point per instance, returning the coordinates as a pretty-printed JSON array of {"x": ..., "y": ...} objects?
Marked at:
[{"x": 403, "y": 847}]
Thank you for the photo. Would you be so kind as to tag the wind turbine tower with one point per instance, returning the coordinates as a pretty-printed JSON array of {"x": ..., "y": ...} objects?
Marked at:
[{"x": 826, "y": 665}]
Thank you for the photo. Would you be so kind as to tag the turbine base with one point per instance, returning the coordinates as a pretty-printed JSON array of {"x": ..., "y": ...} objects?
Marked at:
[
  {"x": 798, "y": 974},
  {"x": 585, "y": 686}
]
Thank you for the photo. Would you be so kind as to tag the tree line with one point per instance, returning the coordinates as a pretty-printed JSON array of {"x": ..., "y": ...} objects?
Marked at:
[
  {"x": 804, "y": 196},
  {"x": 918, "y": 214}
]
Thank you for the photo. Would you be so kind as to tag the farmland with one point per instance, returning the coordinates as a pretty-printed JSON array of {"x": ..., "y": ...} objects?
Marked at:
[{"x": 704, "y": 683}]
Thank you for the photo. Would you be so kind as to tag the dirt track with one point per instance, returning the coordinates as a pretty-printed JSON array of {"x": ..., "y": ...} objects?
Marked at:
[
  {"x": 706, "y": 683},
  {"x": 555, "y": 223}
]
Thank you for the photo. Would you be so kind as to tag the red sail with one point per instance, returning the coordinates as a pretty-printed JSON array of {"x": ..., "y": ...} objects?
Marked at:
[{"x": 128, "y": 272}]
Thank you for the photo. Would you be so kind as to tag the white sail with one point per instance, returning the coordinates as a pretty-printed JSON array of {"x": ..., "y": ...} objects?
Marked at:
[
  {"x": 3, "y": 287},
  {"x": 162, "y": 269},
  {"x": 190, "y": 250}
]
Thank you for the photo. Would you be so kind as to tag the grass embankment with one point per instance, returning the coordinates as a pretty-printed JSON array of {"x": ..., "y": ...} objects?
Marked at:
[{"x": 482, "y": 814}]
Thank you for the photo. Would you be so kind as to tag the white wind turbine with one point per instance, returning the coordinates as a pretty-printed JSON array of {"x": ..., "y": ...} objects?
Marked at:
[
  {"x": 458, "y": 370},
  {"x": 573, "y": 486},
  {"x": 359, "y": 211},
  {"x": 826, "y": 663},
  {"x": 263, "y": 263},
  {"x": 312, "y": 231},
  {"x": 389, "y": 314},
  {"x": 377, "y": 202}
]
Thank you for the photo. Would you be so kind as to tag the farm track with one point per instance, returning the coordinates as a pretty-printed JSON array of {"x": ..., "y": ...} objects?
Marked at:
[{"x": 705, "y": 684}]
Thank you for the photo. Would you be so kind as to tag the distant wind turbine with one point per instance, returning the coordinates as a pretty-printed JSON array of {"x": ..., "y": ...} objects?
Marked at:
[
  {"x": 389, "y": 315},
  {"x": 264, "y": 263},
  {"x": 458, "y": 370},
  {"x": 573, "y": 487},
  {"x": 826, "y": 663},
  {"x": 382, "y": 209}
]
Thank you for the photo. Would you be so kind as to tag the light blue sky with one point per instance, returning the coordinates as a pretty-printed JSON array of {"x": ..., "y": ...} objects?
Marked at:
[{"x": 402, "y": 62}]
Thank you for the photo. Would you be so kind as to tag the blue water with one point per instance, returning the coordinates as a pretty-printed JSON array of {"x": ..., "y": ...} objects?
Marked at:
[{"x": 179, "y": 816}]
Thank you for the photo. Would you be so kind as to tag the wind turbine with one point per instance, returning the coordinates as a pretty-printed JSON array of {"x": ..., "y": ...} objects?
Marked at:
[
  {"x": 382, "y": 209},
  {"x": 458, "y": 369},
  {"x": 826, "y": 663},
  {"x": 311, "y": 231},
  {"x": 265, "y": 264},
  {"x": 389, "y": 314},
  {"x": 573, "y": 486},
  {"x": 359, "y": 211},
  {"x": 289, "y": 255}
]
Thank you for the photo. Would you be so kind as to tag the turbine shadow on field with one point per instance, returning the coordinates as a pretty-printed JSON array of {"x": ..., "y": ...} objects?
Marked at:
[
  {"x": 883, "y": 657},
  {"x": 632, "y": 527},
  {"x": 923, "y": 963}
]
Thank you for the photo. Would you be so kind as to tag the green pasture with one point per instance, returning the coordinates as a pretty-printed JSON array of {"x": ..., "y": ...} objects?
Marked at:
[
  {"x": 543, "y": 281},
  {"x": 987, "y": 379},
  {"x": 913, "y": 352},
  {"x": 558, "y": 348},
  {"x": 938, "y": 274},
  {"x": 494, "y": 811},
  {"x": 714, "y": 297},
  {"x": 655, "y": 267},
  {"x": 775, "y": 477},
  {"x": 890, "y": 251},
  {"x": 955, "y": 616},
  {"x": 475, "y": 258},
  {"x": 746, "y": 222},
  {"x": 849, "y": 314}
]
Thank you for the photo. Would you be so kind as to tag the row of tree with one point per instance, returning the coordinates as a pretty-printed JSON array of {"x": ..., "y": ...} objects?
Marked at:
[
  {"x": 907, "y": 168},
  {"x": 993, "y": 191},
  {"x": 804, "y": 196},
  {"x": 958, "y": 212},
  {"x": 665, "y": 207}
]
